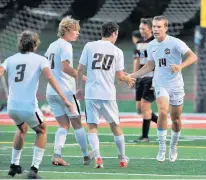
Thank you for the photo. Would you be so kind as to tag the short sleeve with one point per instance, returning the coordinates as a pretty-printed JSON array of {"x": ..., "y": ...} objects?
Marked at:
[
  {"x": 4, "y": 65},
  {"x": 181, "y": 46},
  {"x": 120, "y": 61},
  {"x": 84, "y": 56},
  {"x": 44, "y": 63},
  {"x": 66, "y": 53},
  {"x": 149, "y": 53}
]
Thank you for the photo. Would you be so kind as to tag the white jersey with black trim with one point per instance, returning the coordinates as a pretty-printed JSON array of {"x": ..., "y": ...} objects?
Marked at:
[
  {"x": 103, "y": 59},
  {"x": 59, "y": 51},
  {"x": 23, "y": 78},
  {"x": 164, "y": 54}
]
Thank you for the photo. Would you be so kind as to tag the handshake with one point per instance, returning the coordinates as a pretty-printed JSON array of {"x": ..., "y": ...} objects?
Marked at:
[{"x": 126, "y": 80}]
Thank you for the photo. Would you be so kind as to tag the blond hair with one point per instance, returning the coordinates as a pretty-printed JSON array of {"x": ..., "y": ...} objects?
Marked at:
[
  {"x": 28, "y": 41},
  {"x": 67, "y": 24},
  {"x": 160, "y": 18}
]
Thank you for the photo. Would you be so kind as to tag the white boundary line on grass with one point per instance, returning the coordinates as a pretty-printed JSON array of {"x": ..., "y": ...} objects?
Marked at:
[
  {"x": 108, "y": 157},
  {"x": 109, "y": 134},
  {"x": 119, "y": 174}
]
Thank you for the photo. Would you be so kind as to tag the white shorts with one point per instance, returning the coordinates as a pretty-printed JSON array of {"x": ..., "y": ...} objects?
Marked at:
[
  {"x": 97, "y": 108},
  {"x": 175, "y": 98},
  {"x": 58, "y": 107},
  {"x": 33, "y": 119}
]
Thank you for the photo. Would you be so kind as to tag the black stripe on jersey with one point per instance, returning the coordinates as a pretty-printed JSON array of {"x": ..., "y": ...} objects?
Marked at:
[
  {"x": 85, "y": 112},
  {"x": 76, "y": 104},
  {"x": 39, "y": 119}
]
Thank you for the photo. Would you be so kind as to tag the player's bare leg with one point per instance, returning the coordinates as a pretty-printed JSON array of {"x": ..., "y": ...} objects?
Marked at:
[
  {"x": 175, "y": 114},
  {"x": 163, "y": 108},
  {"x": 120, "y": 143},
  {"x": 81, "y": 138},
  {"x": 38, "y": 152},
  {"x": 60, "y": 139},
  {"x": 94, "y": 144},
  {"x": 18, "y": 143}
]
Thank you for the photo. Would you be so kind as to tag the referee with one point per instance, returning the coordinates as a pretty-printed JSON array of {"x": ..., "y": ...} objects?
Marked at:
[{"x": 144, "y": 90}]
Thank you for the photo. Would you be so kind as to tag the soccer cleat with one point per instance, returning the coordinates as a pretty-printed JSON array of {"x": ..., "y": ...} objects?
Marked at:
[
  {"x": 86, "y": 160},
  {"x": 141, "y": 139},
  {"x": 15, "y": 169},
  {"x": 123, "y": 163},
  {"x": 161, "y": 156},
  {"x": 173, "y": 154},
  {"x": 33, "y": 173},
  {"x": 58, "y": 161},
  {"x": 98, "y": 163}
]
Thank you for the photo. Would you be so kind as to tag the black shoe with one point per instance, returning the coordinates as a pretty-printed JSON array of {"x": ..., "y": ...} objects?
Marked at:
[
  {"x": 141, "y": 139},
  {"x": 15, "y": 169},
  {"x": 33, "y": 173}
]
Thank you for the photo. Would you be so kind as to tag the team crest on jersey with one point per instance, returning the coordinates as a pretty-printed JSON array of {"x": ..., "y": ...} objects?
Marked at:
[{"x": 167, "y": 51}]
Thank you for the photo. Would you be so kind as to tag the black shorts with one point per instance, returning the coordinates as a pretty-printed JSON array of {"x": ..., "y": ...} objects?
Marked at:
[{"x": 144, "y": 89}]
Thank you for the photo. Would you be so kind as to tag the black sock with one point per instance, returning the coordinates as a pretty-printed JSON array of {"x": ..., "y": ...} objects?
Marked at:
[
  {"x": 154, "y": 117},
  {"x": 145, "y": 128}
]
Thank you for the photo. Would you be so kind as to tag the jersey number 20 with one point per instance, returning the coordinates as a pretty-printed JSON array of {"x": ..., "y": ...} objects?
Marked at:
[{"x": 107, "y": 61}]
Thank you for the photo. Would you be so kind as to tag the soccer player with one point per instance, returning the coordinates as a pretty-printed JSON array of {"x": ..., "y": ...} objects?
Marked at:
[
  {"x": 24, "y": 69},
  {"x": 60, "y": 55},
  {"x": 143, "y": 85},
  {"x": 103, "y": 61},
  {"x": 164, "y": 54}
]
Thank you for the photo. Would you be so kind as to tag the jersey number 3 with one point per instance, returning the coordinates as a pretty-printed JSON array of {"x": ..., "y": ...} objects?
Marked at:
[
  {"x": 20, "y": 72},
  {"x": 107, "y": 61}
]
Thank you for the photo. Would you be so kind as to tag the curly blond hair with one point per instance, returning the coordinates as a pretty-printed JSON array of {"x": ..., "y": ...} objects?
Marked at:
[{"x": 67, "y": 24}]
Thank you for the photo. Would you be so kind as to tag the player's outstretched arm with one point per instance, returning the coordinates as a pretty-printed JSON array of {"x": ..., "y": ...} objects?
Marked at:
[
  {"x": 189, "y": 60},
  {"x": 50, "y": 78},
  {"x": 66, "y": 68},
  {"x": 80, "y": 73},
  {"x": 2, "y": 71},
  {"x": 148, "y": 67},
  {"x": 136, "y": 64}
]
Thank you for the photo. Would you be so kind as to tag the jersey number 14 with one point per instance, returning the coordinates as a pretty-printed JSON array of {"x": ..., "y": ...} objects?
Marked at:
[{"x": 162, "y": 62}]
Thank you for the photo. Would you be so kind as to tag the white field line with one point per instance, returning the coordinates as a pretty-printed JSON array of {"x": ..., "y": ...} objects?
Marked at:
[
  {"x": 120, "y": 174},
  {"x": 109, "y": 134},
  {"x": 110, "y": 157}
]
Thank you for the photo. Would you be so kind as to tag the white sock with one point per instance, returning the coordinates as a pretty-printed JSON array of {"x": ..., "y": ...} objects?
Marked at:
[
  {"x": 81, "y": 139},
  {"x": 119, "y": 140},
  {"x": 94, "y": 143},
  {"x": 174, "y": 139},
  {"x": 16, "y": 155},
  {"x": 162, "y": 135},
  {"x": 37, "y": 156},
  {"x": 60, "y": 139}
]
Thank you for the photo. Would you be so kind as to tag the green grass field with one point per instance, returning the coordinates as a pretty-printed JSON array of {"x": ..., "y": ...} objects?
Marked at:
[{"x": 190, "y": 165}]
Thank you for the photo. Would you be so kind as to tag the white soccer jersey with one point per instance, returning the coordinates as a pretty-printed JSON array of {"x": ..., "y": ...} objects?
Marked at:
[
  {"x": 165, "y": 54},
  {"x": 102, "y": 59},
  {"x": 59, "y": 51},
  {"x": 23, "y": 78}
]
